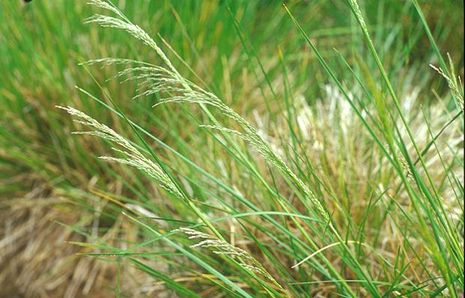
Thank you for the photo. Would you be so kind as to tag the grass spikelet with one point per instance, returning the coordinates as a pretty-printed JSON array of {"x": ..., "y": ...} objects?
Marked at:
[
  {"x": 221, "y": 247},
  {"x": 123, "y": 23},
  {"x": 455, "y": 88},
  {"x": 132, "y": 156}
]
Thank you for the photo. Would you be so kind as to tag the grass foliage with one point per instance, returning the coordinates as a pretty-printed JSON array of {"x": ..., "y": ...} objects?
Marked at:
[{"x": 248, "y": 149}]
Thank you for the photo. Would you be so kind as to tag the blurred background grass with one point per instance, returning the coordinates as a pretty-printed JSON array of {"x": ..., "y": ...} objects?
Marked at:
[{"x": 47, "y": 176}]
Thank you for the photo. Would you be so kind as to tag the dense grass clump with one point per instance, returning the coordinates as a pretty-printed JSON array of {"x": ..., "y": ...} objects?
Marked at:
[{"x": 248, "y": 149}]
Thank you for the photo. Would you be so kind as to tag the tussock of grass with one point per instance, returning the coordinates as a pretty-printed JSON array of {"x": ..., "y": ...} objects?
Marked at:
[{"x": 251, "y": 189}]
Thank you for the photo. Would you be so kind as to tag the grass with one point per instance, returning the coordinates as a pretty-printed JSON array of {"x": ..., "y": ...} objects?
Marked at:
[{"x": 234, "y": 148}]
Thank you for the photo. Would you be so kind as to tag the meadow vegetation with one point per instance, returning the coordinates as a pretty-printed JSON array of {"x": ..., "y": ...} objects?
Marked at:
[{"x": 231, "y": 148}]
